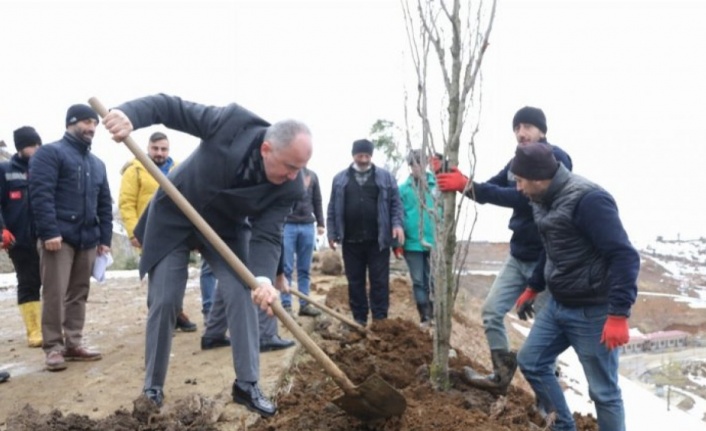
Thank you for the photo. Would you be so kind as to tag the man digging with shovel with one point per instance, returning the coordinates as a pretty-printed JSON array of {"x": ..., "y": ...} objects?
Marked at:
[{"x": 243, "y": 179}]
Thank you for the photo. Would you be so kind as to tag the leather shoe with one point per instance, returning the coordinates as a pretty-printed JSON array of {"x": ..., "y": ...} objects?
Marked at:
[
  {"x": 4, "y": 376},
  {"x": 155, "y": 395},
  {"x": 249, "y": 395},
  {"x": 309, "y": 310},
  {"x": 275, "y": 343},
  {"x": 208, "y": 343},
  {"x": 81, "y": 354},
  {"x": 184, "y": 323},
  {"x": 55, "y": 361}
]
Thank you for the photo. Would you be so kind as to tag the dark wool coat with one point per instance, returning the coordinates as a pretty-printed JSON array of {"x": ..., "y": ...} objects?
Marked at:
[{"x": 207, "y": 179}]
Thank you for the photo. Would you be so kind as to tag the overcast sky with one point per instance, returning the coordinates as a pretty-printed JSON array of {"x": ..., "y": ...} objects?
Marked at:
[{"x": 621, "y": 82}]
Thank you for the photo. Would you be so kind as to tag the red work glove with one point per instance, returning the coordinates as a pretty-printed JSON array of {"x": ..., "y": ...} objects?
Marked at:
[
  {"x": 615, "y": 332},
  {"x": 525, "y": 304},
  {"x": 452, "y": 181},
  {"x": 8, "y": 239},
  {"x": 398, "y": 252}
]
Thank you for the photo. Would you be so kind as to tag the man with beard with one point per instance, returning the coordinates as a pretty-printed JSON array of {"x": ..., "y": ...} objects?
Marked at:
[
  {"x": 364, "y": 215},
  {"x": 71, "y": 203},
  {"x": 529, "y": 126},
  {"x": 590, "y": 268},
  {"x": 136, "y": 190}
]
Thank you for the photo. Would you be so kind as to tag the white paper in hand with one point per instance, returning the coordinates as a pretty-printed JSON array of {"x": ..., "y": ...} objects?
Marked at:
[{"x": 103, "y": 261}]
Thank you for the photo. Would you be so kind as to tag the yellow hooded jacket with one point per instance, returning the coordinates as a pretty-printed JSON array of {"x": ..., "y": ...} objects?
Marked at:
[{"x": 136, "y": 190}]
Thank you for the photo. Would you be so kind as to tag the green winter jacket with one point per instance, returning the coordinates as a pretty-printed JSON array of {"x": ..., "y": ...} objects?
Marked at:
[{"x": 409, "y": 193}]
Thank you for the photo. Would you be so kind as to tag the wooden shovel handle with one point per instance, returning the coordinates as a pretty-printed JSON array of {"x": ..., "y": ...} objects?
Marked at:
[
  {"x": 345, "y": 319},
  {"x": 227, "y": 254}
]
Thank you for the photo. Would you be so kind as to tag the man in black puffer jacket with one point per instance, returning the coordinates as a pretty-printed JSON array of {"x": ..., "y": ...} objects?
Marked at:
[
  {"x": 18, "y": 235},
  {"x": 72, "y": 208},
  {"x": 591, "y": 273}
]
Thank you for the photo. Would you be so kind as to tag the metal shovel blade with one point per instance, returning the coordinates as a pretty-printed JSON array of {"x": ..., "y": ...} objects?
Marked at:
[{"x": 375, "y": 399}]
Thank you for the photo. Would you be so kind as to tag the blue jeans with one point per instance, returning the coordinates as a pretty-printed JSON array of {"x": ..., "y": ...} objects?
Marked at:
[
  {"x": 419, "y": 270},
  {"x": 507, "y": 287},
  {"x": 299, "y": 240},
  {"x": 555, "y": 329},
  {"x": 208, "y": 289}
]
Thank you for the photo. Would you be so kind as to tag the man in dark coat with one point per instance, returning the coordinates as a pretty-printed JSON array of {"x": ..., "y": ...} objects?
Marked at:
[
  {"x": 18, "y": 234},
  {"x": 243, "y": 178},
  {"x": 365, "y": 216},
  {"x": 72, "y": 208}
]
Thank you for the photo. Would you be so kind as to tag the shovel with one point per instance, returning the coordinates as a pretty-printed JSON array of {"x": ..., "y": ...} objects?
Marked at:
[
  {"x": 331, "y": 312},
  {"x": 374, "y": 399}
]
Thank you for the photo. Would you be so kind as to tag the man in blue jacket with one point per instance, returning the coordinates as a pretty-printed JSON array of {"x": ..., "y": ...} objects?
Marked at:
[
  {"x": 364, "y": 215},
  {"x": 72, "y": 208},
  {"x": 591, "y": 272},
  {"x": 244, "y": 177},
  {"x": 529, "y": 126},
  {"x": 18, "y": 233}
]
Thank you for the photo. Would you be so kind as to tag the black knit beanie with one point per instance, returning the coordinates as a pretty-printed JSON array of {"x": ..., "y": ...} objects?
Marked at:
[
  {"x": 534, "y": 161},
  {"x": 530, "y": 115},
  {"x": 80, "y": 112},
  {"x": 25, "y": 137},
  {"x": 362, "y": 146}
]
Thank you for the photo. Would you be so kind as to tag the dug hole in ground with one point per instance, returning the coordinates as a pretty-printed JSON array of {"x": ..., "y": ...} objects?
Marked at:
[{"x": 104, "y": 395}]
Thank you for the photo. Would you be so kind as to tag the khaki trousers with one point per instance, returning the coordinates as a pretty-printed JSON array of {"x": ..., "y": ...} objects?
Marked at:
[{"x": 66, "y": 278}]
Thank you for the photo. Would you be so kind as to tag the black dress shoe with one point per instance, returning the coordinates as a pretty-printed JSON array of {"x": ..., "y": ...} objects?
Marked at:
[
  {"x": 155, "y": 395},
  {"x": 275, "y": 343},
  {"x": 208, "y": 343},
  {"x": 4, "y": 376},
  {"x": 253, "y": 399}
]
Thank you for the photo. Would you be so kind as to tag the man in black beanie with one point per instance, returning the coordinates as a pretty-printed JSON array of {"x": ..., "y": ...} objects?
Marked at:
[
  {"x": 590, "y": 268},
  {"x": 365, "y": 215},
  {"x": 72, "y": 208},
  {"x": 18, "y": 236},
  {"x": 529, "y": 125}
]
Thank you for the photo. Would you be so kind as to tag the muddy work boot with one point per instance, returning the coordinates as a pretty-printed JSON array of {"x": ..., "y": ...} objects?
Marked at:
[{"x": 504, "y": 367}]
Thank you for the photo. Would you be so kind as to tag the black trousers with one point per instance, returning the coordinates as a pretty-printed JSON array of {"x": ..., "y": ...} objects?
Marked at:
[
  {"x": 357, "y": 258},
  {"x": 29, "y": 282}
]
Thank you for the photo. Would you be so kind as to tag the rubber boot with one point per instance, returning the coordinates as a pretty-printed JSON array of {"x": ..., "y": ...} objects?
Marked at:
[
  {"x": 504, "y": 367},
  {"x": 32, "y": 316}
]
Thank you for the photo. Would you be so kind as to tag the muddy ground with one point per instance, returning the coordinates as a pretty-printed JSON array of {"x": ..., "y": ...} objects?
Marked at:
[{"x": 104, "y": 395}]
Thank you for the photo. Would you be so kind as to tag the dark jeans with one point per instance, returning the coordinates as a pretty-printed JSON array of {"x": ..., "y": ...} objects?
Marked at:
[
  {"x": 419, "y": 266},
  {"x": 26, "y": 263},
  {"x": 357, "y": 257}
]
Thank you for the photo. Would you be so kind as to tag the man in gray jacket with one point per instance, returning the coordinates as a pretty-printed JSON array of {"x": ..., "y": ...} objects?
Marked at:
[
  {"x": 243, "y": 178},
  {"x": 365, "y": 215}
]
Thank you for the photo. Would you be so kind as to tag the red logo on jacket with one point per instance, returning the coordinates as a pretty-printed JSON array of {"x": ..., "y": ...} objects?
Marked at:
[{"x": 16, "y": 194}]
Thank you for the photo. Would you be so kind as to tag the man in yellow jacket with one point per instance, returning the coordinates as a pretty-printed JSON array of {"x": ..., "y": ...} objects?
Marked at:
[{"x": 136, "y": 190}]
